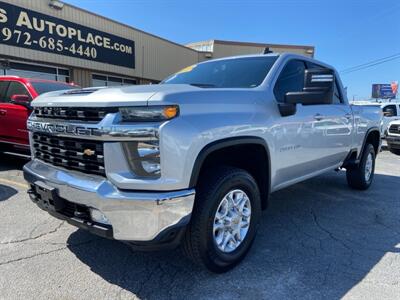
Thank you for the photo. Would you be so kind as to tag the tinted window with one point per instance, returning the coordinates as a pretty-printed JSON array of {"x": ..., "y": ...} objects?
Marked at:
[
  {"x": 3, "y": 90},
  {"x": 16, "y": 88},
  {"x": 337, "y": 97},
  {"x": 389, "y": 111},
  {"x": 311, "y": 65},
  {"x": 45, "y": 87},
  {"x": 291, "y": 79},
  {"x": 244, "y": 72}
]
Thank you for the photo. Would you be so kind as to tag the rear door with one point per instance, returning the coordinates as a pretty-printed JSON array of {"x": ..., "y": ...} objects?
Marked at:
[{"x": 16, "y": 115}]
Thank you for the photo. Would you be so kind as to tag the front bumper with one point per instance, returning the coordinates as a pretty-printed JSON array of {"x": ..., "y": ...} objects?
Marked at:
[
  {"x": 393, "y": 141},
  {"x": 134, "y": 216}
]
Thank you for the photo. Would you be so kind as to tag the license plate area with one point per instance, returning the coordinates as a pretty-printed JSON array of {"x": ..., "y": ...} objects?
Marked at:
[{"x": 47, "y": 197}]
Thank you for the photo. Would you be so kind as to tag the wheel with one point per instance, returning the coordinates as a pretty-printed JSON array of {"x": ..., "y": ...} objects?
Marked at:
[
  {"x": 360, "y": 177},
  {"x": 395, "y": 151},
  {"x": 225, "y": 218}
]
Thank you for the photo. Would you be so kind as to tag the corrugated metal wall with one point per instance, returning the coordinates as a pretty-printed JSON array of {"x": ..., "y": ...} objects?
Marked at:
[
  {"x": 156, "y": 58},
  {"x": 223, "y": 50}
]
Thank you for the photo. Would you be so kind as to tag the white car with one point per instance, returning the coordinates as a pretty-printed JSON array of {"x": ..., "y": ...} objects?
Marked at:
[
  {"x": 393, "y": 137},
  {"x": 390, "y": 110}
]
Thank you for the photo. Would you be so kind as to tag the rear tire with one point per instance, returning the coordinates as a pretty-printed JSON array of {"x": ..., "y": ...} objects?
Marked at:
[
  {"x": 360, "y": 177},
  {"x": 218, "y": 218}
]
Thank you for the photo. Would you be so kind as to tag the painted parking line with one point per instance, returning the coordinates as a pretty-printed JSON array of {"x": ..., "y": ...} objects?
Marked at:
[{"x": 14, "y": 183}]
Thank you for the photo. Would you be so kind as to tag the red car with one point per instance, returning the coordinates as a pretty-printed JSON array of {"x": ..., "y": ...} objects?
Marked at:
[{"x": 16, "y": 93}]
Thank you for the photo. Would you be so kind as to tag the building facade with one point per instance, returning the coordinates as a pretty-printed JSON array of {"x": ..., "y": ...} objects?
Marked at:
[{"x": 53, "y": 40}]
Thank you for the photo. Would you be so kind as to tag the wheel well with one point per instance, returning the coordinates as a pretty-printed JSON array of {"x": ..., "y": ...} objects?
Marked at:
[
  {"x": 373, "y": 138},
  {"x": 253, "y": 158}
]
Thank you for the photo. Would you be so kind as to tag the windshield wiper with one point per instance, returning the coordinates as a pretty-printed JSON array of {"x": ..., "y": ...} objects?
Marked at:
[{"x": 204, "y": 85}]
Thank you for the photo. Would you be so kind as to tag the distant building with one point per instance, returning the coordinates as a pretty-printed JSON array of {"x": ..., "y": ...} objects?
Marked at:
[{"x": 218, "y": 48}]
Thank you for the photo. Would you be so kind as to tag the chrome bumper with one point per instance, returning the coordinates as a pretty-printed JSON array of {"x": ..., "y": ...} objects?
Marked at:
[{"x": 134, "y": 216}]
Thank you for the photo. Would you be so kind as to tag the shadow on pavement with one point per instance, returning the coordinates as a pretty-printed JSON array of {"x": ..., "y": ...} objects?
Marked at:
[
  {"x": 6, "y": 192},
  {"x": 10, "y": 162},
  {"x": 318, "y": 239}
]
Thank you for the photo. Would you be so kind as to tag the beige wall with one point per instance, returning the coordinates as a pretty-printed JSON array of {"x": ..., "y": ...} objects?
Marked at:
[
  {"x": 81, "y": 77},
  {"x": 222, "y": 50},
  {"x": 159, "y": 57}
]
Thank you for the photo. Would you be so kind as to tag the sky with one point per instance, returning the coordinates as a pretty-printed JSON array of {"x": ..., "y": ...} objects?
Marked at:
[{"x": 344, "y": 33}]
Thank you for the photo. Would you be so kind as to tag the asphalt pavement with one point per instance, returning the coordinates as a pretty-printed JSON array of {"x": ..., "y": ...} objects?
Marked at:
[{"x": 318, "y": 240}]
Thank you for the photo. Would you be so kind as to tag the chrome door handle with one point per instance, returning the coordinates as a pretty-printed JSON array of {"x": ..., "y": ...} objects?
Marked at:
[
  {"x": 3, "y": 112},
  {"x": 318, "y": 117}
]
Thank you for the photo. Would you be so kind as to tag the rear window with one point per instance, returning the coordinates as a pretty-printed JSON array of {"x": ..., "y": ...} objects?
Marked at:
[{"x": 45, "y": 87}]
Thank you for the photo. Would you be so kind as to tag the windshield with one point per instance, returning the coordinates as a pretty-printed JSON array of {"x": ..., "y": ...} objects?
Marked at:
[
  {"x": 245, "y": 72},
  {"x": 42, "y": 87}
]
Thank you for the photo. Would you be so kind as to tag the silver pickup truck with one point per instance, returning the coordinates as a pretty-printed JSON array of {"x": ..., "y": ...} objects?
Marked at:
[{"x": 192, "y": 160}]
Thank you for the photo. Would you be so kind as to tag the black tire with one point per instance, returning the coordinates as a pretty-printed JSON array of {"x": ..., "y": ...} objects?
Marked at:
[
  {"x": 356, "y": 178},
  {"x": 394, "y": 151},
  {"x": 199, "y": 244}
]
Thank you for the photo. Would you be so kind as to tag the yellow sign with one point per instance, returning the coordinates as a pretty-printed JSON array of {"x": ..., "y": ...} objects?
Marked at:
[{"x": 187, "y": 69}]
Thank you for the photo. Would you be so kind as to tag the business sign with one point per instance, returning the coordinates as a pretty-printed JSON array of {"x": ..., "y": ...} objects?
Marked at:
[
  {"x": 25, "y": 28},
  {"x": 385, "y": 90}
]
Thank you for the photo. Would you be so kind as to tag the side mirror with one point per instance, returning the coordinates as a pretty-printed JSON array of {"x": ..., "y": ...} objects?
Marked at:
[
  {"x": 318, "y": 88},
  {"x": 23, "y": 100}
]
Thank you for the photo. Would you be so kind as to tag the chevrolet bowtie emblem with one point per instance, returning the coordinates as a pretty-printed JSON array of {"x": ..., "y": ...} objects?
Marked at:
[{"x": 88, "y": 152}]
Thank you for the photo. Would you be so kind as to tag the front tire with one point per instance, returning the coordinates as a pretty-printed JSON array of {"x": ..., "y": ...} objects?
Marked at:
[
  {"x": 224, "y": 220},
  {"x": 360, "y": 177}
]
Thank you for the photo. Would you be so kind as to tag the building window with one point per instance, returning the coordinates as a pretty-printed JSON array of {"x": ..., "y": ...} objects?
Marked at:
[
  {"x": 35, "y": 71},
  {"x": 104, "y": 80}
]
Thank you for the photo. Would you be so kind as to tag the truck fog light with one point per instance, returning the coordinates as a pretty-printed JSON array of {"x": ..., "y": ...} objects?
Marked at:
[
  {"x": 151, "y": 168},
  {"x": 97, "y": 216}
]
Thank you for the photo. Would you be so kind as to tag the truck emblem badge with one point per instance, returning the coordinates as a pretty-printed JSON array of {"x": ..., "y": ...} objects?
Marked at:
[{"x": 88, "y": 152}]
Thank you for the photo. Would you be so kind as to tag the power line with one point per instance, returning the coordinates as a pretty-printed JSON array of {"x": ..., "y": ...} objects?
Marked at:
[
  {"x": 371, "y": 64},
  {"x": 373, "y": 61}
]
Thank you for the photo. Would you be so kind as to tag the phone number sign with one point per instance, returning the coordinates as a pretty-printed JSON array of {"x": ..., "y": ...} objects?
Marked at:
[{"x": 29, "y": 29}]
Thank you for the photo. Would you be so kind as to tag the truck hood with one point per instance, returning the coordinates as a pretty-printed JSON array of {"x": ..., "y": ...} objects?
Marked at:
[{"x": 136, "y": 95}]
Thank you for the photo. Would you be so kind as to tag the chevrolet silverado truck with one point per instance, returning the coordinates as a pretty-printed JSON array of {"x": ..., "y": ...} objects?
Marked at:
[
  {"x": 193, "y": 160},
  {"x": 393, "y": 137}
]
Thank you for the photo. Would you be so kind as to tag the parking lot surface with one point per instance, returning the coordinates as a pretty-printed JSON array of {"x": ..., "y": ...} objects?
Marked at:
[{"x": 318, "y": 240}]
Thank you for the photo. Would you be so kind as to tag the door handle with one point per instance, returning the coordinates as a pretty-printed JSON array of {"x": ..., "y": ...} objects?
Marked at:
[
  {"x": 348, "y": 116},
  {"x": 3, "y": 112},
  {"x": 318, "y": 117}
]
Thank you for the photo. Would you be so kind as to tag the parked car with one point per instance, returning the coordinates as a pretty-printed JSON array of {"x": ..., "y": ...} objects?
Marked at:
[
  {"x": 16, "y": 94},
  {"x": 390, "y": 110},
  {"x": 193, "y": 160},
  {"x": 393, "y": 137}
]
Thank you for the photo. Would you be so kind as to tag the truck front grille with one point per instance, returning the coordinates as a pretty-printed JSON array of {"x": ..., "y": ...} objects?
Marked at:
[
  {"x": 74, "y": 154},
  {"x": 89, "y": 114},
  {"x": 395, "y": 128}
]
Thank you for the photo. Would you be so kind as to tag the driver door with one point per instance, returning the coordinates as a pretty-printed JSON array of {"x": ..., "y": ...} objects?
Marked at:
[
  {"x": 306, "y": 143},
  {"x": 16, "y": 116}
]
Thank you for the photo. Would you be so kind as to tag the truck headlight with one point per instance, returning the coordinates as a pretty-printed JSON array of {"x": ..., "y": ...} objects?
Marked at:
[
  {"x": 144, "y": 158},
  {"x": 148, "y": 113}
]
